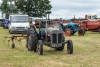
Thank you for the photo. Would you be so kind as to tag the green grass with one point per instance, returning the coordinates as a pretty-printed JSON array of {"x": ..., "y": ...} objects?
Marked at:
[{"x": 86, "y": 53}]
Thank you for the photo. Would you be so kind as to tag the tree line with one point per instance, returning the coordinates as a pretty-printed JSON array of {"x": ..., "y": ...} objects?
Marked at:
[{"x": 34, "y": 8}]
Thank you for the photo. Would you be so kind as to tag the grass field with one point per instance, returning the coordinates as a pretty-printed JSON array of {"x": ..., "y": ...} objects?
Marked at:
[{"x": 86, "y": 53}]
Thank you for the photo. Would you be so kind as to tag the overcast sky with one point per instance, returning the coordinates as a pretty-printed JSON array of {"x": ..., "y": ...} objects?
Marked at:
[
  {"x": 68, "y": 8},
  {"x": 0, "y": 12}
]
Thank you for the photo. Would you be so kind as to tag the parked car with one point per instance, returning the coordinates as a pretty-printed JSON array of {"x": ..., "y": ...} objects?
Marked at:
[
  {"x": 1, "y": 22},
  {"x": 5, "y": 23},
  {"x": 18, "y": 24}
]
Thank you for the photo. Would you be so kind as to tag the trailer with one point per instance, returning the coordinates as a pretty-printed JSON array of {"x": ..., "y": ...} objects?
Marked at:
[{"x": 90, "y": 23}]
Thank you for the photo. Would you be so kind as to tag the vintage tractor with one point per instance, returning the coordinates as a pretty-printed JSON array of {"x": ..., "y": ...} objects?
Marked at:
[
  {"x": 49, "y": 35},
  {"x": 71, "y": 28},
  {"x": 90, "y": 23}
]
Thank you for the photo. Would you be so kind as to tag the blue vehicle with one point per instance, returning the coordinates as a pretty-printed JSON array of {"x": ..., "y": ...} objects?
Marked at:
[
  {"x": 71, "y": 28},
  {"x": 5, "y": 23}
]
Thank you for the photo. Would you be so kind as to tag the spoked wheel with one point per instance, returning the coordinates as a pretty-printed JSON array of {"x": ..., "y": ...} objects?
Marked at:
[
  {"x": 69, "y": 46},
  {"x": 81, "y": 32},
  {"x": 68, "y": 33},
  {"x": 13, "y": 45},
  {"x": 40, "y": 47}
]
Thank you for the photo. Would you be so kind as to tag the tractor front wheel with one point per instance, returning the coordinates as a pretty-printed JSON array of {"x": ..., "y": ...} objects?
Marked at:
[
  {"x": 81, "y": 32},
  {"x": 40, "y": 47},
  {"x": 68, "y": 33},
  {"x": 69, "y": 46}
]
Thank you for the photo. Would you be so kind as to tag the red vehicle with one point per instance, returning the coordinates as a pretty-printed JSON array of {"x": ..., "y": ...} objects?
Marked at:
[{"x": 90, "y": 23}]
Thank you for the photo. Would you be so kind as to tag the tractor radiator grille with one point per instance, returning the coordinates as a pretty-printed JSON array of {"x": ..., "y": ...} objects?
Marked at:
[
  {"x": 54, "y": 38},
  {"x": 57, "y": 38}
]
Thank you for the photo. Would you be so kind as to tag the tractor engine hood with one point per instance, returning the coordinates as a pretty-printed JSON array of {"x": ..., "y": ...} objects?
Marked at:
[{"x": 53, "y": 29}]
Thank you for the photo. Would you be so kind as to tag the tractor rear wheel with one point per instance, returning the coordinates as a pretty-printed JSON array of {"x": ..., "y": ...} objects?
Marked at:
[
  {"x": 81, "y": 32},
  {"x": 68, "y": 32},
  {"x": 40, "y": 47},
  {"x": 32, "y": 39},
  {"x": 69, "y": 46}
]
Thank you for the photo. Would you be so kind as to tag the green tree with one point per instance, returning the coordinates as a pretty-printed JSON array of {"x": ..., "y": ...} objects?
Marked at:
[
  {"x": 8, "y": 6},
  {"x": 35, "y": 8}
]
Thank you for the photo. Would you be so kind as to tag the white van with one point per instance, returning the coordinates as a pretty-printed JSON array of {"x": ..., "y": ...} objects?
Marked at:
[{"x": 18, "y": 24}]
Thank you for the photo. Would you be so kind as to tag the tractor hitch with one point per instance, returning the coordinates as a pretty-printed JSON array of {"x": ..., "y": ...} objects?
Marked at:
[{"x": 14, "y": 37}]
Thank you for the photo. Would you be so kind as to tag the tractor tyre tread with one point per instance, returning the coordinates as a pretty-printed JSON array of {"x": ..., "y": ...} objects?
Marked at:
[{"x": 34, "y": 39}]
